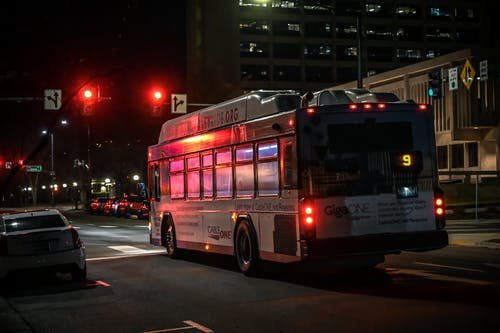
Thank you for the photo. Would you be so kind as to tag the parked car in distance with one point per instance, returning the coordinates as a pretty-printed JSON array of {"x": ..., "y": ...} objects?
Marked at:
[
  {"x": 97, "y": 205},
  {"x": 138, "y": 206},
  {"x": 40, "y": 239},
  {"x": 111, "y": 206}
]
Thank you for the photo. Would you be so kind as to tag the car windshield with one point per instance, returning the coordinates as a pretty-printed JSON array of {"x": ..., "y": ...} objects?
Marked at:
[{"x": 34, "y": 222}]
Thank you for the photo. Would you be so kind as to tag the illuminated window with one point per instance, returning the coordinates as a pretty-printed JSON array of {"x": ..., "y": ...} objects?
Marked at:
[
  {"x": 407, "y": 11},
  {"x": 439, "y": 12},
  {"x": 268, "y": 169},
  {"x": 224, "y": 174},
  {"x": 254, "y": 26},
  {"x": 244, "y": 171},
  {"x": 207, "y": 176},
  {"x": 253, "y": 49},
  {"x": 193, "y": 177},
  {"x": 318, "y": 51},
  {"x": 286, "y": 28},
  {"x": 409, "y": 54},
  {"x": 177, "y": 179}
]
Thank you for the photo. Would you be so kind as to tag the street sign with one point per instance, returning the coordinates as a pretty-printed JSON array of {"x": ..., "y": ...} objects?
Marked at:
[
  {"x": 483, "y": 70},
  {"x": 52, "y": 99},
  {"x": 468, "y": 74},
  {"x": 34, "y": 168},
  {"x": 453, "y": 78},
  {"x": 178, "y": 103}
]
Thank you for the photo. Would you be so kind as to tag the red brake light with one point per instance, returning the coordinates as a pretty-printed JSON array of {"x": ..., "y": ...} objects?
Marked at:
[
  {"x": 310, "y": 110},
  {"x": 353, "y": 107},
  {"x": 422, "y": 107},
  {"x": 77, "y": 242},
  {"x": 381, "y": 105},
  {"x": 439, "y": 204},
  {"x": 367, "y": 106}
]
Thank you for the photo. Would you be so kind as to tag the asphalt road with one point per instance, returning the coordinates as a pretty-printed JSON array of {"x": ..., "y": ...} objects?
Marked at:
[{"x": 132, "y": 287}]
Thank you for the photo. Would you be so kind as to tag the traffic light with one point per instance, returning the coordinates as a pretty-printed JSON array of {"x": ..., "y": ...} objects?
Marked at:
[
  {"x": 435, "y": 83},
  {"x": 158, "y": 98},
  {"x": 89, "y": 96}
]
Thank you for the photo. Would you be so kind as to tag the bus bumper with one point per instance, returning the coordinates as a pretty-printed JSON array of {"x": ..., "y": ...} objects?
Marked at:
[{"x": 376, "y": 244}]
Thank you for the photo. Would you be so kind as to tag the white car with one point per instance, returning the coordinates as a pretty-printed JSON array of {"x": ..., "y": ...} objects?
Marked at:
[{"x": 40, "y": 239}]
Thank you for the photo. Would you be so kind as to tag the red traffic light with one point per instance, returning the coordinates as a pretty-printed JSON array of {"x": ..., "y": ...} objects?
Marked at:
[
  {"x": 89, "y": 94},
  {"x": 157, "y": 95}
]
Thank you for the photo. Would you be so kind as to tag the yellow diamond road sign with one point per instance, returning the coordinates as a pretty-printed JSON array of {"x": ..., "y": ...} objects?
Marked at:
[{"x": 468, "y": 74}]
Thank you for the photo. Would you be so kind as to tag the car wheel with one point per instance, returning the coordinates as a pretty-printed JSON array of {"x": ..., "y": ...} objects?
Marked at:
[{"x": 246, "y": 250}]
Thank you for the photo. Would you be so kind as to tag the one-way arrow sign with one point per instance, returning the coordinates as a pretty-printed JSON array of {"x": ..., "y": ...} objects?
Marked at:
[{"x": 52, "y": 100}]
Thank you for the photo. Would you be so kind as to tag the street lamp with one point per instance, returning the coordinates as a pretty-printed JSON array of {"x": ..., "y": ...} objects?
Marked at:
[{"x": 52, "y": 170}]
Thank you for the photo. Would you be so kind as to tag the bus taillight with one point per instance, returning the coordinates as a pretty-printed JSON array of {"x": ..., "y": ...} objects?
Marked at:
[
  {"x": 439, "y": 212},
  {"x": 307, "y": 216},
  {"x": 353, "y": 106},
  {"x": 381, "y": 106}
]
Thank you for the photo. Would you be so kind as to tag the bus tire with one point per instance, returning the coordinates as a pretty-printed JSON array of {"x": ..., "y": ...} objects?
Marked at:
[
  {"x": 169, "y": 239},
  {"x": 246, "y": 249}
]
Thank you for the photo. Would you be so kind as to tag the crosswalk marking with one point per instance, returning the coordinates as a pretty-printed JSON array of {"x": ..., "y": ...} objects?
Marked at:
[
  {"x": 440, "y": 277},
  {"x": 452, "y": 267}
]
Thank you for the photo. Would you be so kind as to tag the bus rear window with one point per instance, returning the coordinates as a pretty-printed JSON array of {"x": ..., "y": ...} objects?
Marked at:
[{"x": 369, "y": 137}]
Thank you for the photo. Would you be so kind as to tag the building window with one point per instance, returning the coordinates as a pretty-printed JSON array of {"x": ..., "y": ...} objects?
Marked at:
[
  {"x": 473, "y": 154},
  {"x": 409, "y": 54},
  {"x": 466, "y": 36},
  {"x": 286, "y": 73},
  {"x": 347, "y": 8},
  {"x": 318, "y": 29},
  {"x": 378, "y": 32},
  {"x": 347, "y": 52},
  {"x": 466, "y": 14},
  {"x": 254, "y": 72},
  {"x": 317, "y": 7},
  {"x": 253, "y": 49},
  {"x": 318, "y": 51},
  {"x": 442, "y": 156},
  {"x": 346, "y": 30},
  {"x": 289, "y": 4},
  {"x": 431, "y": 54},
  {"x": 439, "y": 12},
  {"x": 253, "y": 3},
  {"x": 287, "y": 51},
  {"x": 319, "y": 74},
  {"x": 254, "y": 27},
  {"x": 377, "y": 9},
  {"x": 380, "y": 53},
  {"x": 406, "y": 11},
  {"x": 438, "y": 34},
  {"x": 409, "y": 33},
  {"x": 286, "y": 28},
  {"x": 457, "y": 156}
]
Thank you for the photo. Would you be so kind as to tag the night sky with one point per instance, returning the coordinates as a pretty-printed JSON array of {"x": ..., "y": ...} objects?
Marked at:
[{"x": 124, "y": 47}]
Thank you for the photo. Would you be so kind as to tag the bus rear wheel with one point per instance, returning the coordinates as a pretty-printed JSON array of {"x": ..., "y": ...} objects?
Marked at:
[{"x": 246, "y": 251}]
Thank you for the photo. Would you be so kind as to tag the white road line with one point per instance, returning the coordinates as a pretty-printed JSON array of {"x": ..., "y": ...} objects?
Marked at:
[
  {"x": 109, "y": 226},
  {"x": 440, "y": 277},
  {"x": 150, "y": 253},
  {"x": 191, "y": 324},
  {"x": 492, "y": 264},
  {"x": 127, "y": 249},
  {"x": 452, "y": 267},
  {"x": 198, "y": 326}
]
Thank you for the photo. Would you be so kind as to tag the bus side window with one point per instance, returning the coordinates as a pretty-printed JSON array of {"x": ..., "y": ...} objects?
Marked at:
[
  {"x": 289, "y": 164},
  {"x": 267, "y": 169},
  {"x": 177, "y": 179}
]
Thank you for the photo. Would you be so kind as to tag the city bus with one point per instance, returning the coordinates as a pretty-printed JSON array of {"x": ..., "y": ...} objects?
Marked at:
[{"x": 272, "y": 176}]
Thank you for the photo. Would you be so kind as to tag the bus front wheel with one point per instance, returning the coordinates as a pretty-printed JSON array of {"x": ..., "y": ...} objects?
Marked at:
[
  {"x": 246, "y": 250},
  {"x": 170, "y": 240}
]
